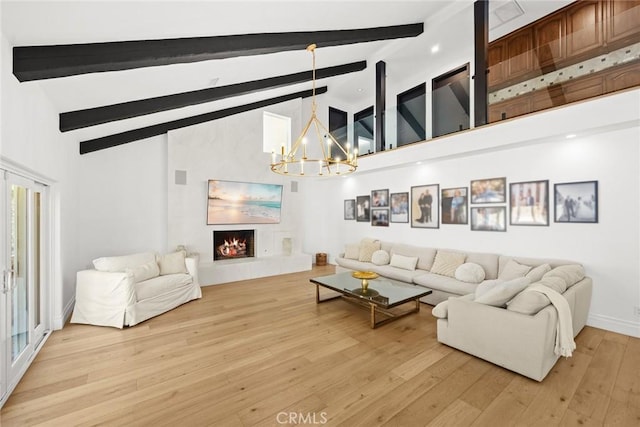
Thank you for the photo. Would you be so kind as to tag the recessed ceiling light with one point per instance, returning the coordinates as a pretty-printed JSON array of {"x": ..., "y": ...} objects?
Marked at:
[
  {"x": 418, "y": 163},
  {"x": 435, "y": 48},
  {"x": 360, "y": 89},
  {"x": 571, "y": 135}
]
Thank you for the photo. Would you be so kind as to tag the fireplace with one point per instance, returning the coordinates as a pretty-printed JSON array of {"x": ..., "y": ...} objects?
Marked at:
[{"x": 231, "y": 244}]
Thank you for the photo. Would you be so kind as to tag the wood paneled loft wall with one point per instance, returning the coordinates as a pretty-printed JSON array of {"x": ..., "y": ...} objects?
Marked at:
[{"x": 573, "y": 34}]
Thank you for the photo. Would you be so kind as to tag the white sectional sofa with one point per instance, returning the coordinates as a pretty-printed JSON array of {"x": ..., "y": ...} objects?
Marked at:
[
  {"x": 126, "y": 290},
  {"x": 517, "y": 330},
  {"x": 441, "y": 285}
]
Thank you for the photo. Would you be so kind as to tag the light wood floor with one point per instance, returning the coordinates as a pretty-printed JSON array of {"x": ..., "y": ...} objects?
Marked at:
[{"x": 254, "y": 352}]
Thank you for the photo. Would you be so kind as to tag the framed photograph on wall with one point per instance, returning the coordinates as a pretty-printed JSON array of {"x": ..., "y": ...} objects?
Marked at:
[
  {"x": 425, "y": 206},
  {"x": 576, "y": 202},
  {"x": 455, "y": 205},
  {"x": 492, "y": 190},
  {"x": 380, "y": 217},
  {"x": 380, "y": 199},
  {"x": 363, "y": 208},
  {"x": 529, "y": 203},
  {"x": 350, "y": 209},
  {"x": 490, "y": 218},
  {"x": 400, "y": 207}
]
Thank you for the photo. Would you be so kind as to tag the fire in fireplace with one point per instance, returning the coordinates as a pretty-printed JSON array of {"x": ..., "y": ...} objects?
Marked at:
[{"x": 231, "y": 244}]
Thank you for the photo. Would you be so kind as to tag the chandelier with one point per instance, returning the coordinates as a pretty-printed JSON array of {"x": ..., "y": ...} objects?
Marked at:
[{"x": 297, "y": 163}]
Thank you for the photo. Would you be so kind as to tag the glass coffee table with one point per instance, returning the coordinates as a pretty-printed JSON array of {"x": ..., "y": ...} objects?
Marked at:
[{"x": 380, "y": 295}]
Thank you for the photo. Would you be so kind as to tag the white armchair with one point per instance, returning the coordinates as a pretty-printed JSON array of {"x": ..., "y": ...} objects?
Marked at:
[{"x": 124, "y": 291}]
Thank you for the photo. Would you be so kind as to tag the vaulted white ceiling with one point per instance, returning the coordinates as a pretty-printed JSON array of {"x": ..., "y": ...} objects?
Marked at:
[{"x": 29, "y": 23}]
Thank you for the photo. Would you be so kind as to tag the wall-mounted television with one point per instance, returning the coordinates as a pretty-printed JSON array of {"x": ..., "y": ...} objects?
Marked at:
[{"x": 233, "y": 202}]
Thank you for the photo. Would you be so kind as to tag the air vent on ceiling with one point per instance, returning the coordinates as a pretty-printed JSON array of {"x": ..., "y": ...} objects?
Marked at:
[{"x": 503, "y": 12}]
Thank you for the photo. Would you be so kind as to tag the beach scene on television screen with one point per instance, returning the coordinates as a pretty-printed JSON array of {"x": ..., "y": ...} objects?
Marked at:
[{"x": 231, "y": 202}]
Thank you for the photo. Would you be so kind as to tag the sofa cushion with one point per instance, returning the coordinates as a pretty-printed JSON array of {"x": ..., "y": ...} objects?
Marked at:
[
  {"x": 503, "y": 292},
  {"x": 556, "y": 283},
  {"x": 536, "y": 273},
  {"x": 446, "y": 263},
  {"x": 380, "y": 257},
  {"x": 404, "y": 262},
  {"x": 115, "y": 264},
  {"x": 425, "y": 255},
  {"x": 486, "y": 286},
  {"x": 396, "y": 273},
  {"x": 528, "y": 302},
  {"x": 352, "y": 251},
  {"x": 354, "y": 264},
  {"x": 488, "y": 262},
  {"x": 441, "y": 311},
  {"x": 531, "y": 302},
  {"x": 367, "y": 248},
  {"x": 160, "y": 285},
  {"x": 571, "y": 274},
  {"x": 172, "y": 263},
  {"x": 514, "y": 270},
  {"x": 470, "y": 272},
  {"x": 444, "y": 283},
  {"x": 144, "y": 272},
  {"x": 533, "y": 262}
]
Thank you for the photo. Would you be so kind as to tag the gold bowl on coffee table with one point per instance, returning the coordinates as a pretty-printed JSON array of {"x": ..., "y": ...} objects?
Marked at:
[{"x": 365, "y": 276}]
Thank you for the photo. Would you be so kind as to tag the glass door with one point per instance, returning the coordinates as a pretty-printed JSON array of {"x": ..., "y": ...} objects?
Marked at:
[{"x": 22, "y": 291}]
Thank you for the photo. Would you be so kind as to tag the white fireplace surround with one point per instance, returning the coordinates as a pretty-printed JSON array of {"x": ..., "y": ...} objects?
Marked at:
[{"x": 193, "y": 151}]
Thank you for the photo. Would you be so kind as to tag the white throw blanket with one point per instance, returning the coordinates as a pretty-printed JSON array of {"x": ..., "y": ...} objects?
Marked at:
[{"x": 564, "y": 335}]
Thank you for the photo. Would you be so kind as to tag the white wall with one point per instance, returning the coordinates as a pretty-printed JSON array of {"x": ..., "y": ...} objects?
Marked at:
[
  {"x": 228, "y": 149},
  {"x": 606, "y": 150},
  {"x": 31, "y": 141},
  {"x": 122, "y": 200}
]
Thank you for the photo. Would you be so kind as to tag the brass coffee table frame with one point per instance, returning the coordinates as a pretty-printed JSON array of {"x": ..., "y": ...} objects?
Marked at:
[{"x": 374, "y": 307}]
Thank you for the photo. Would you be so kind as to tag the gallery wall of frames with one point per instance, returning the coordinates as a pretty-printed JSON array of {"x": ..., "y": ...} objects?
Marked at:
[{"x": 486, "y": 205}]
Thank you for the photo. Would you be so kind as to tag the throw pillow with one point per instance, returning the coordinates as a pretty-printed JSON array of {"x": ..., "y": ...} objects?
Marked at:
[
  {"x": 503, "y": 292},
  {"x": 367, "y": 249},
  {"x": 531, "y": 302},
  {"x": 486, "y": 286},
  {"x": 528, "y": 302},
  {"x": 536, "y": 273},
  {"x": 470, "y": 272},
  {"x": 446, "y": 263},
  {"x": 556, "y": 283},
  {"x": 144, "y": 272},
  {"x": 571, "y": 273},
  {"x": 513, "y": 270},
  {"x": 404, "y": 262},
  {"x": 172, "y": 263},
  {"x": 441, "y": 311},
  {"x": 352, "y": 251},
  {"x": 380, "y": 257}
]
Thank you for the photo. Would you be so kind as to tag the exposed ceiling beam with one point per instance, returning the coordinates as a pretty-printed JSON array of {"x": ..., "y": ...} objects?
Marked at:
[
  {"x": 161, "y": 128},
  {"x": 125, "y": 110},
  {"x": 45, "y": 62}
]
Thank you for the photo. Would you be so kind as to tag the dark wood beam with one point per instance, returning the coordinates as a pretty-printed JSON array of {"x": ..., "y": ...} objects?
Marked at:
[
  {"x": 381, "y": 101},
  {"x": 109, "y": 141},
  {"x": 94, "y": 116},
  {"x": 481, "y": 43},
  {"x": 45, "y": 62}
]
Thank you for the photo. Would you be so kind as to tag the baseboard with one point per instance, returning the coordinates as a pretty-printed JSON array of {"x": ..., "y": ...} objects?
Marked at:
[
  {"x": 614, "y": 325},
  {"x": 59, "y": 321}
]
